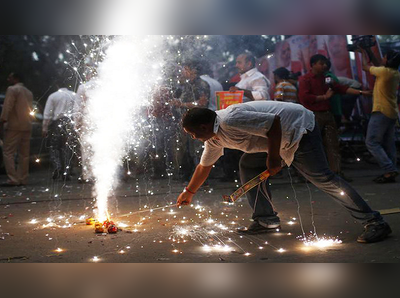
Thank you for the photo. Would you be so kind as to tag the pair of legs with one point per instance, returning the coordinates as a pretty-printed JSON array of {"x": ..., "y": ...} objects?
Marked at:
[
  {"x": 16, "y": 142},
  {"x": 381, "y": 141},
  {"x": 60, "y": 150},
  {"x": 311, "y": 162}
]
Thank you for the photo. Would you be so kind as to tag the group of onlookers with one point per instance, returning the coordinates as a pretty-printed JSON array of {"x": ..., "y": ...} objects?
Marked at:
[{"x": 330, "y": 98}]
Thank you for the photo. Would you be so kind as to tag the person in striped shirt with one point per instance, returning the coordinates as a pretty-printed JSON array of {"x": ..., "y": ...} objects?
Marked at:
[{"x": 284, "y": 91}]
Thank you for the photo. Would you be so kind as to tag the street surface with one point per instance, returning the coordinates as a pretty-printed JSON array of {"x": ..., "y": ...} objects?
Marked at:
[{"x": 45, "y": 222}]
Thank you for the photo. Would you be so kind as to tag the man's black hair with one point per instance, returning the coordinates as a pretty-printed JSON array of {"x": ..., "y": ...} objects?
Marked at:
[
  {"x": 318, "y": 57},
  {"x": 393, "y": 59},
  {"x": 328, "y": 64},
  {"x": 198, "y": 116},
  {"x": 17, "y": 76},
  {"x": 249, "y": 57},
  {"x": 195, "y": 65},
  {"x": 282, "y": 72}
]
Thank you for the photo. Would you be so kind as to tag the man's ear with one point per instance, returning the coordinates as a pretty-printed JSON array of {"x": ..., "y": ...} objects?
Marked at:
[{"x": 205, "y": 127}]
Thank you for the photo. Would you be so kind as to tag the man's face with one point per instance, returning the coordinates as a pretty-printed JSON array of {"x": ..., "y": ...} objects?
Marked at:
[
  {"x": 189, "y": 73},
  {"x": 10, "y": 79},
  {"x": 203, "y": 133},
  {"x": 242, "y": 65},
  {"x": 319, "y": 67}
]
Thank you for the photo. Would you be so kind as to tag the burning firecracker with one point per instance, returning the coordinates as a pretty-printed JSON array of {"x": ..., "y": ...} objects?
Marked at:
[
  {"x": 90, "y": 221},
  {"x": 106, "y": 226},
  {"x": 98, "y": 227},
  {"x": 112, "y": 229}
]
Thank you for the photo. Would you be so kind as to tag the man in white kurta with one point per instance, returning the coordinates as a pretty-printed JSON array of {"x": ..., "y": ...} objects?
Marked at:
[{"x": 272, "y": 134}]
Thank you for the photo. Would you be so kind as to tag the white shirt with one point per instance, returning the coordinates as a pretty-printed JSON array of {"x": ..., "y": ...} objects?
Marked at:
[
  {"x": 244, "y": 127},
  {"x": 59, "y": 104},
  {"x": 256, "y": 82}
]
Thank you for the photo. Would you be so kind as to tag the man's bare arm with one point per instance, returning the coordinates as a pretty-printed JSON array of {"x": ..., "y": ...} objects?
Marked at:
[{"x": 200, "y": 175}]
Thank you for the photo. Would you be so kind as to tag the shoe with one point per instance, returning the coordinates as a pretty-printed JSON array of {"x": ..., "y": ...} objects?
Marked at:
[
  {"x": 374, "y": 232},
  {"x": 386, "y": 178},
  {"x": 345, "y": 178},
  {"x": 257, "y": 227}
]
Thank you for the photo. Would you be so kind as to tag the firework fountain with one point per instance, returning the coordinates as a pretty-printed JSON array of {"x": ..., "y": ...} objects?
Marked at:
[{"x": 126, "y": 78}]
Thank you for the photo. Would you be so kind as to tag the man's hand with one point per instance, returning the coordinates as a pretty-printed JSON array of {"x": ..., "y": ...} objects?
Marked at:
[
  {"x": 274, "y": 165},
  {"x": 233, "y": 89},
  {"x": 185, "y": 198},
  {"x": 329, "y": 93},
  {"x": 367, "y": 93}
]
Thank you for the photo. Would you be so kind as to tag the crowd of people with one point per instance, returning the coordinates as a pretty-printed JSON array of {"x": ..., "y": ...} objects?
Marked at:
[{"x": 296, "y": 127}]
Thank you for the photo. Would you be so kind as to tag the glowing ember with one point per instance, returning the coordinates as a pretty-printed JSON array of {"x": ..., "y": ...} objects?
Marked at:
[
  {"x": 321, "y": 242},
  {"x": 217, "y": 248},
  {"x": 95, "y": 259},
  {"x": 182, "y": 231},
  {"x": 59, "y": 250}
]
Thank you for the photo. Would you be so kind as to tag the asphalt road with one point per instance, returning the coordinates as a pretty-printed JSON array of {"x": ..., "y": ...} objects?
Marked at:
[{"x": 44, "y": 216}]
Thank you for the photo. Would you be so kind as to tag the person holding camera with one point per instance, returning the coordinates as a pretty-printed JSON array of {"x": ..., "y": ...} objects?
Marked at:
[{"x": 380, "y": 139}]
